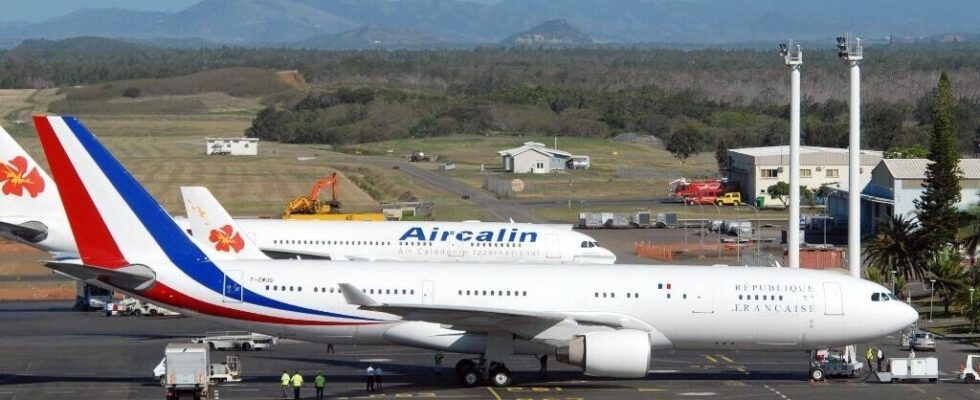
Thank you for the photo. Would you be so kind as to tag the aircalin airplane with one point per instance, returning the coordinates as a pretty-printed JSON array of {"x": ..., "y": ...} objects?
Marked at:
[
  {"x": 31, "y": 212},
  {"x": 604, "y": 318},
  {"x": 398, "y": 240}
]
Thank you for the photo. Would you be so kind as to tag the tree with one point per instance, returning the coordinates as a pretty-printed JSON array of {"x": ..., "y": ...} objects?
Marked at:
[
  {"x": 685, "y": 141},
  {"x": 896, "y": 247},
  {"x": 721, "y": 154},
  {"x": 913, "y": 151},
  {"x": 946, "y": 267},
  {"x": 936, "y": 208},
  {"x": 779, "y": 191}
]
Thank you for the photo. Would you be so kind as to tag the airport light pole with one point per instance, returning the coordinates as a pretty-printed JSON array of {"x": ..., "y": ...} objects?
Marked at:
[
  {"x": 685, "y": 226},
  {"x": 793, "y": 57},
  {"x": 701, "y": 230},
  {"x": 758, "y": 220},
  {"x": 972, "y": 311},
  {"x": 932, "y": 288},
  {"x": 894, "y": 281},
  {"x": 850, "y": 51},
  {"x": 719, "y": 230}
]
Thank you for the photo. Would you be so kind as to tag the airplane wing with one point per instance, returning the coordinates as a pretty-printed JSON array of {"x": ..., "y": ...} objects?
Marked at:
[
  {"x": 546, "y": 326},
  {"x": 135, "y": 277}
]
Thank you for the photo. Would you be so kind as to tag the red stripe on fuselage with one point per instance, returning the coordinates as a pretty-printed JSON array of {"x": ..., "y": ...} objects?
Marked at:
[
  {"x": 95, "y": 243},
  {"x": 163, "y": 294}
]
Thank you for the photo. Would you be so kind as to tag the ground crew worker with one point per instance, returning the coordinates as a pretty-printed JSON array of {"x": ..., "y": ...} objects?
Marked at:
[
  {"x": 319, "y": 382},
  {"x": 544, "y": 364},
  {"x": 881, "y": 356},
  {"x": 285, "y": 384},
  {"x": 377, "y": 379},
  {"x": 870, "y": 355},
  {"x": 438, "y": 358},
  {"x": 370, "y": 378},
  {"x": 297, "y": 381}
]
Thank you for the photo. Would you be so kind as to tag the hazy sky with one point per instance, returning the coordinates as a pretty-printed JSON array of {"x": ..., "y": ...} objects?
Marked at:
[{"x": 39, "y": 10}]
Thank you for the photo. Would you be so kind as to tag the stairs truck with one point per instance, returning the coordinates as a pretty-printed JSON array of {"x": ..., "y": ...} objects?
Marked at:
[{"x": 186, "y": 371}]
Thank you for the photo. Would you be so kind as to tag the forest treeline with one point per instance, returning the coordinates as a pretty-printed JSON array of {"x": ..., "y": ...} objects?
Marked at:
[{"x": 695, "y": 100}]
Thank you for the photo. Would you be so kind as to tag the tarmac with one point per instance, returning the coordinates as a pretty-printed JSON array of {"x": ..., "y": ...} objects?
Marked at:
[{"x": 50, "y": 352}]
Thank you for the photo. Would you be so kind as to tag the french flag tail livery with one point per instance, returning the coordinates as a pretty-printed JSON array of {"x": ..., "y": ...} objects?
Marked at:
[
  {"x": 25, "y": 189},
  {"x": 121, "y": 221},
  {"x": 119, "y": 226},
  {"x": 213, "y": 227}
]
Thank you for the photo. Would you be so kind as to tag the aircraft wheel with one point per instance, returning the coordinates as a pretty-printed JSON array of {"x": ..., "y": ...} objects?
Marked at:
[
  {"x": 500, "y": 376},
  {"x": 464, "y": 363},
  {"x": 469, "y": 376},
  {"x": 969, "y": 378}
]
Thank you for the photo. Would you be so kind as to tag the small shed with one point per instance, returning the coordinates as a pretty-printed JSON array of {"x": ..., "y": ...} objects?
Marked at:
[
  {"x": 534, "y": 157},
  {"x": 243, "y": 146}
]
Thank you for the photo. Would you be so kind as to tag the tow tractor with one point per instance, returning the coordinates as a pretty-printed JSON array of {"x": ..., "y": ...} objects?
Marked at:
[
  {"x": 968, "y": 371},
  {"x": 834, "y": 363}
]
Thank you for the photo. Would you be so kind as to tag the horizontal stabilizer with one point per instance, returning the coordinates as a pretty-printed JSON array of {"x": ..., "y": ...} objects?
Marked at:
[
  {"x": 134, "y": 277},
  {"x": 31, "y": 232}
]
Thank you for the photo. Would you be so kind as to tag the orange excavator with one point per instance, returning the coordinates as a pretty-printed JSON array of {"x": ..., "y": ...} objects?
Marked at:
[{"x": 310, "y": 206}]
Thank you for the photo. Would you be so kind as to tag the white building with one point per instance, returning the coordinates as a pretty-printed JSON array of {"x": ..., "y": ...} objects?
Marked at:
[
  {"x": 535, "y": 158},
  {"x": 896, "y": 184},
  {"x": 243, "y": 146},
  {"x": 757, "y": 168}
]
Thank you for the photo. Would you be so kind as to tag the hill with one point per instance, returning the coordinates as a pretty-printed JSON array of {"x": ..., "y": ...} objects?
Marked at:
[
  {"x": 277, "y": 22},
  {"x": 555, "y": 33},
  {"x": 370, "y": 36}
]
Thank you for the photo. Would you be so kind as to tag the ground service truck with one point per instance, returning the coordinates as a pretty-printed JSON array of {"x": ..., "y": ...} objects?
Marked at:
[{"x": 187, "y": 371}]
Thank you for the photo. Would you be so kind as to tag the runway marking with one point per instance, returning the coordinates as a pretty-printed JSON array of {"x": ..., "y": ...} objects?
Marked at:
[
  {"x": 650, "y": 390},
  {"x": 742, "y": 370},
  {"x": 776, "y": 392},
  {"x": 663, "y": 371},
  {"x": 375, "y": 360},
  {"x": 493, "y": 392},
  {"x": 533, "y": 389},
  {"x": 710, "y": 358},
  {"x": 734, "y": 383},
  {"x": 723, "y": 357},
  {"x": 918, "y": 389},
  {"x": 698, "y": 394}
]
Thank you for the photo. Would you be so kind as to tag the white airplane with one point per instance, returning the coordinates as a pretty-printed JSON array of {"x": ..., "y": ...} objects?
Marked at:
[
  {"x": 31, "y": 212},
  {"x": 397, "y": 240},
  {"x": 604, "y": 318}
]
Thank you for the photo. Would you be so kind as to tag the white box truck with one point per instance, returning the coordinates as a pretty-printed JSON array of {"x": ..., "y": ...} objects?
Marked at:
[{"x": 187, "y": 371}]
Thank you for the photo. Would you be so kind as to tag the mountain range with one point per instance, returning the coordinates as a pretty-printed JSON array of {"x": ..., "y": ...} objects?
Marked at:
[{"x": 435, "y": 23}]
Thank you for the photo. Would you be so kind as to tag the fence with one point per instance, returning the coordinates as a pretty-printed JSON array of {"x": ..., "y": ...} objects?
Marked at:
[
  {"x": 505, "y": 188},
  {"x": 667, "y": 252}
]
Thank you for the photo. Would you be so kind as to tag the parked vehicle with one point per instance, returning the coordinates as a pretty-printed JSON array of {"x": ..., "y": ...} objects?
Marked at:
[
  {"x": 924, "y": 341},
  {"x": 228, "y": 371},
  {"x": 137, "y": 307},
  {"x": 729, "y": 199},
  {"x": 833, "y": 363},
  {"x": 905, "y": 369},
  {"x": 229, "y": 340},
  {"x": 186, "y": 369}
]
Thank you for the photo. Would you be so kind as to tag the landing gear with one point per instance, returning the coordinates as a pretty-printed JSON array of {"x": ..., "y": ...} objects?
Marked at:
[{"x": 475, "y": 372}]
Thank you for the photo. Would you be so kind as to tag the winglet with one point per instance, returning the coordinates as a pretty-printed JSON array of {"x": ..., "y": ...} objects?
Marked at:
[{"x": 356, "y": 297}]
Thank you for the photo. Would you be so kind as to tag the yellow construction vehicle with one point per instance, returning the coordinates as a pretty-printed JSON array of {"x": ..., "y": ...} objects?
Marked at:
[{"x": 310, "y": 207}]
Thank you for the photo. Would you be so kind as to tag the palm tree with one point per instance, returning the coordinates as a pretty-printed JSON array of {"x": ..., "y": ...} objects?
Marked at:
[
  {"x": 969, "y": 234},
  {"x": 946, "y": 267},
  {"x": 896, "y": 248}
]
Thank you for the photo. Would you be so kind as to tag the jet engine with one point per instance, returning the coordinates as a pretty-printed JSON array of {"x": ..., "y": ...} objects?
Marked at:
[{"x": 622, "y": 353}]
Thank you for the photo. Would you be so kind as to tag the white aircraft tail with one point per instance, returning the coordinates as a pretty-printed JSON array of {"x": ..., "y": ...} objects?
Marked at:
[
  {"x": 211, "y": 225},
  {"x": 25, "y": 189}
]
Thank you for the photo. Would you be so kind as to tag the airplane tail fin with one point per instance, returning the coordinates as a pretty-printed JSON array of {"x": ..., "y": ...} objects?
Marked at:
[
  {"x": 25, "y": 189},
  {"x": 211, "y": 224},
  {"x": 116, "y": 221}
]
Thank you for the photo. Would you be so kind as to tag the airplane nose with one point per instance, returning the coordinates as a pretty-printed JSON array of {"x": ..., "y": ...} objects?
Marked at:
[
  {"x": 607, "y": 253},
  {"x": 908, "y": 315}
]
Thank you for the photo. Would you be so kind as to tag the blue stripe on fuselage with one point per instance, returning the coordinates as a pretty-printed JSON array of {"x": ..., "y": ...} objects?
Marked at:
[{"x": 171, "y": 239}]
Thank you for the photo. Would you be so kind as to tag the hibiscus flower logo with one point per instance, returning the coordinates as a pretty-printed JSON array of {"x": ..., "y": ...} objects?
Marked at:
[
  {"x": 226, "y": 239},
  {"x": 16, "y": 178}
]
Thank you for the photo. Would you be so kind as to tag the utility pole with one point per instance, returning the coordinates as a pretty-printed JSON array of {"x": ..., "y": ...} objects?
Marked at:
[
  {"x": 850, "y": 51},
  {"x": 793, "y": 57}
]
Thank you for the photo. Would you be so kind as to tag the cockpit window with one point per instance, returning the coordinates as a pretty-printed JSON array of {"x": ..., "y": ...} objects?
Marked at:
[
  {"x": 883, "y": 297},
  {"x": 585, "y": 245},
  {"x": 876, "y": 297},
  {"x": 892, "y": 296}
]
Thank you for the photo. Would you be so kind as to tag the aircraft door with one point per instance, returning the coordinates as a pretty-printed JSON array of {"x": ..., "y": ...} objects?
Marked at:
[
  {"x": 232, "y": 290},
  {"x": 428, "y": 292},
  {"x": 833, "y": 302},
  {"x": 554, "y": 247}
]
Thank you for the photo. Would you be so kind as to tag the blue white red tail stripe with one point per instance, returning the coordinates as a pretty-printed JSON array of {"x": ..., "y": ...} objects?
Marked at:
[{"x": 123, "y": 224}]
